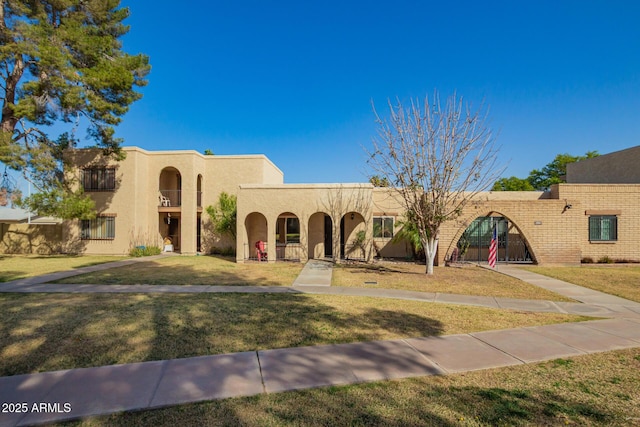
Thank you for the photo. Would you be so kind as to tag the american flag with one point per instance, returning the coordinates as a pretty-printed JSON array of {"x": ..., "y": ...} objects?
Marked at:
[{"x": 493, "y": 248}]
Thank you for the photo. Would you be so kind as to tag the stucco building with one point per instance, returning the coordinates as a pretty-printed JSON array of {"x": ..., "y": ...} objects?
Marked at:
[{"x": 152, "y": 197}]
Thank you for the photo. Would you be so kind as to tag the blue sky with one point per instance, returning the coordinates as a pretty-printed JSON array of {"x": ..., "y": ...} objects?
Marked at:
[{"x": 294, "y": 80}]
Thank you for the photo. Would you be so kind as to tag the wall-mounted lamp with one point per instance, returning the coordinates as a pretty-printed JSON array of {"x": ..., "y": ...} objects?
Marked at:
[{"x": 567, "y": 206}]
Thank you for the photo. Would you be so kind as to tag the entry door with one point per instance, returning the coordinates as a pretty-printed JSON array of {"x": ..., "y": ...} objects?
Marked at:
[
  {"x": 174, "y": 233},
  {"x": 328, "y": 236}
]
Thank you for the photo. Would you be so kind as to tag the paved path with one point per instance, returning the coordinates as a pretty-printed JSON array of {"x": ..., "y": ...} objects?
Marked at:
[{"x": 136, "y": 386}]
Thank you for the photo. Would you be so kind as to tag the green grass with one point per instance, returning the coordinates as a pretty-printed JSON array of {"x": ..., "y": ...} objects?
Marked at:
[
  {"x": 13, "y": 267},
  {"x": 592, "y": 390},
  {"x": 412, "y": 277},
  {"x": 195, "y": 270},
  {"x": 45, "y": 332},
  {"x": 622, "y": 281}
]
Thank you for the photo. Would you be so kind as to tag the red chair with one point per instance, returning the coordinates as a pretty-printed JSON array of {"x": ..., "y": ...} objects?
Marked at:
[{"x": 261, "y": 251}]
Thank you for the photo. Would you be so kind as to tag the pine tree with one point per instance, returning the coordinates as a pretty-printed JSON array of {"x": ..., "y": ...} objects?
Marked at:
[{"x": 61, "y": 62}]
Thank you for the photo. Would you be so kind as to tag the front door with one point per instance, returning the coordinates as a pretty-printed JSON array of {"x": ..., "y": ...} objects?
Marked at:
[
  {"x": 328, "y": 237},
  {"x": 174, "y": 232}
]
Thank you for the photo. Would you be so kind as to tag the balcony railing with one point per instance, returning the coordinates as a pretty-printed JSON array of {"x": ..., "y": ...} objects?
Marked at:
[{"x": 170, "y": 198}]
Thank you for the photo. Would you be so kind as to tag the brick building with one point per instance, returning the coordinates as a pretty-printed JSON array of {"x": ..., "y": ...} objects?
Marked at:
[{"x": 153, "y": 196}]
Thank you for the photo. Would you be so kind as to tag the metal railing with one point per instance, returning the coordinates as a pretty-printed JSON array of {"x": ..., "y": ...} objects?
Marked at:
[
  {"x": 288, "y": 251},
  {"x": 283, "y": 252}
]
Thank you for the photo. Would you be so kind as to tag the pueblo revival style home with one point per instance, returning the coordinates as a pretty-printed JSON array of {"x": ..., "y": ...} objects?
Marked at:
[{"x": 159, "y": 198}]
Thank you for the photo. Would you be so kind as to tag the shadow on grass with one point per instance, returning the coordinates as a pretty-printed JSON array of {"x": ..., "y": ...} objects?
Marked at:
[
  {"x": 27, "y": 270},
  {"x": 398, "y": 403},
  {"x": 200, "y": 270},
  {"x": 44, "y": 332}
]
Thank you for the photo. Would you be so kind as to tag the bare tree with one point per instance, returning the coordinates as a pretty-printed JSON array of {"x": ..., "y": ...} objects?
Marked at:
[{"x": 438, "y": 157}]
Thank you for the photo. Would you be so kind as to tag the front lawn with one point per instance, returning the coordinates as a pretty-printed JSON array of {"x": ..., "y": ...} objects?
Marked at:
[
  {"x": 195, "y": 270},
  {"x": 45, "y": 332},
  {"x": 411, "y": 276},
  {"x": 622, "y": 281},
  {"x": 13, "y": 267}
]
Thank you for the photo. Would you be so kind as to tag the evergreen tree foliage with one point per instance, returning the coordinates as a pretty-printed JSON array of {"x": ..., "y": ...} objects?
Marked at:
[
  {"x": 542, "y": 179},
  {"x": 62, "y": 63}
]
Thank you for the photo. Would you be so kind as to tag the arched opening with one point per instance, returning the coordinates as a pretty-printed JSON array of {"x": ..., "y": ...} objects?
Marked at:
[
  {"x": 353, "y": 237},
  {"x": 169, "y": 210},
  {"x": 320, "y": 236},
  {"x": 199, "y": 213},
  {"x": 473, "y": 244},
  {"x": 257, "y": 246},
  {"x": 288, "y": 237},
  {"x": 170, "y": 187}
]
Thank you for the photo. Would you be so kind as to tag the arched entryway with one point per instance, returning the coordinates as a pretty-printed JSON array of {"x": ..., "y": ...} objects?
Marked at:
[
  {"x": 353, "y": 237},
  {"x": 288, "y": 245},
  {"x": 169, "y": 208},
  {"x": 255, "y": 225},
  {"x": 473, "y": 244},
  {"x": 170, "y": 187},
  {"x": 320, "y": 236}
]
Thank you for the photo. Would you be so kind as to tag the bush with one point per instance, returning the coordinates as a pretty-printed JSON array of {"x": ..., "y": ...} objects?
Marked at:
[
  {"x": 139, "y": 251},
  {"x": 587, "y": 260},
  {"x": 228, "y": 251},
  {"x": 605, "y": 260}
]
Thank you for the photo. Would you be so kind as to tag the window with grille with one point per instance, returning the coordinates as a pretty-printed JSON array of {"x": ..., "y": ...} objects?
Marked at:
[
  {"x": 100, "y": 228},
  {"x": 383, "y": 226},
  {"x": 603, "y": 228},
  {"x": 99, "y": 179}
]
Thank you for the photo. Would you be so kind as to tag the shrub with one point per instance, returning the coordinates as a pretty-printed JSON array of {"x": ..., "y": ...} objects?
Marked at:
[
  {"x": 605, "y": 260},
  {"x": 587, "y": 260},
  {"x": 227, "y": 251},
  {"x": 139, "y": 251}
]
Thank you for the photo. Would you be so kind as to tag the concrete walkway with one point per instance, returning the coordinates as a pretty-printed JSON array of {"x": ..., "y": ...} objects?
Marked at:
[
  {"x": 315, "y": 273},
  {"x": 139, "y": 386}
]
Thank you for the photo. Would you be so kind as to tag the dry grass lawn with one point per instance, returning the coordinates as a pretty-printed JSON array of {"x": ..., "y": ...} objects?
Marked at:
[
  {"x": 45, "y": 332},
  {"x": 13, "y": 267},
  {"x": 195, "y": 270},
  {"x": 466, "y": 281},
  {"x": 593, "y": 390},
  {"x": 622, "y": 281}
]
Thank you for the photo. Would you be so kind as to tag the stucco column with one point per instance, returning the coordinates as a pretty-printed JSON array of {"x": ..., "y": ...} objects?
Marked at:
[
  {"x": 271, "y": 239},
  {"x": 189, "y": 218},
  {"x": 304, "y": 238}
]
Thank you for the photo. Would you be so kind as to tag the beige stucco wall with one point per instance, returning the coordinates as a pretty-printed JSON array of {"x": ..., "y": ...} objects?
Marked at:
[
  {"x": 554, "y": 234},
  {"x": 139, "y": 179},
  {"x": 31, "y": 239},
  {"x": 303, "y": 201}
]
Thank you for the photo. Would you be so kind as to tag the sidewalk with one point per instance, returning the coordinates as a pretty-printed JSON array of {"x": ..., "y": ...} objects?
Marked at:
[{"x": 140, "y": 386}]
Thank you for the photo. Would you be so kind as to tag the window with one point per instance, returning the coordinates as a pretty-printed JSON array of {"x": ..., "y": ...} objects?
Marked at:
[
  {"x": 383, "y": 226},
  {"x": 100, "y": 228},
  {"x": 99, "y": 179},
  {"x": 603, "y": 228},
  {"x": 290, "y": 232}
]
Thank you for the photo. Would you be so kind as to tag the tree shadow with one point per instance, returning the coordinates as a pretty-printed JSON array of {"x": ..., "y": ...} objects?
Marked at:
[
  {"x": 46, "y": 332},
  {"x": 409, "y": 402},
  {"x": 222, "y": 272}
]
